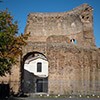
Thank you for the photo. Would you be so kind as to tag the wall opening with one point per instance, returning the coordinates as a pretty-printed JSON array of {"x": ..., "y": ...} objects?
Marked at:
[
  {"x": 35, "y": 73},
  {"x": 41, "y": 85},
  {"x": 39, "y": 67},
  {"x": 74, "y": 41}
]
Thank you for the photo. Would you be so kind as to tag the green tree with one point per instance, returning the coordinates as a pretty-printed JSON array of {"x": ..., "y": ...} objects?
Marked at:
[{"x": 10, "y": 42}]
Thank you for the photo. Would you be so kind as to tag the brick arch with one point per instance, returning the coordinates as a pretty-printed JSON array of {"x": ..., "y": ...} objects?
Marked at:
[
  {"x": 23, "y": 61},
  {"x": 39, "y": 47},
  {"x": 30, "y": 53}
]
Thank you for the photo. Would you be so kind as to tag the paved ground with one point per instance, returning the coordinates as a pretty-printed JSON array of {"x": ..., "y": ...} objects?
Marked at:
[
  {"x": 33, "y": 98},
  {"x": 41, "y": 97}
]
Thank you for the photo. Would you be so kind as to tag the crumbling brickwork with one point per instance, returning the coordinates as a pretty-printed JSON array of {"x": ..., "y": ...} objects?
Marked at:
[
  {"x": 67, "y": 41},
  {"x": 76, "y": 68},
  {"x": 76, "y": 24},
  {"x": 73, "y": 67}
]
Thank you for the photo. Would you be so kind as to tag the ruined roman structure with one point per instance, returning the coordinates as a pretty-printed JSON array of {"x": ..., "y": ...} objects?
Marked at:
[{"x": 60, "y": 56}]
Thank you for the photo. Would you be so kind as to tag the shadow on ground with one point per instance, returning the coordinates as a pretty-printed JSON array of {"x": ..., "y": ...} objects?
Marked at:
[{"x": 13, "y": 98}]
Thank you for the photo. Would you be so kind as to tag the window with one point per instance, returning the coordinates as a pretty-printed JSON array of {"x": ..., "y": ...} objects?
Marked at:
[
  {"x": 39, "y": 67},
  {"x": 73, "y": 41}
]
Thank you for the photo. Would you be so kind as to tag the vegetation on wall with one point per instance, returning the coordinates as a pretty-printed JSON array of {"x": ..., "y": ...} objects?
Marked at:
[{"x": 11, "y": 42}]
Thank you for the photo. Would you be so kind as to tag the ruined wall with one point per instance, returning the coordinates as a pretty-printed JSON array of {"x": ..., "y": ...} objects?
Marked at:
[
  {"x": 73, "y": 70},
  {"x": 35, "y": 47},
  {"x": 76, "y": 24},
  {"x": 13, "y": 79}
]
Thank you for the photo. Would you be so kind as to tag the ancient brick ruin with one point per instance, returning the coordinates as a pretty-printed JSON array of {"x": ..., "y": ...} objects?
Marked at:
[{"x": 66, "y": 39}]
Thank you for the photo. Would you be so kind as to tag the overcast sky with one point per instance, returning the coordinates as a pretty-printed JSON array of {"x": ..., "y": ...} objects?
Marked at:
[{"x": 21, "y": 8}]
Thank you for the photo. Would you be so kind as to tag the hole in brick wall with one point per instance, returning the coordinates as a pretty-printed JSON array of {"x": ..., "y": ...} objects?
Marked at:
[
  {"x": 86, "y": 9},
  {"x": 82, "y": 17},
  {"x": 87, "y": 17},
  {"x": 73, "y": 41}
]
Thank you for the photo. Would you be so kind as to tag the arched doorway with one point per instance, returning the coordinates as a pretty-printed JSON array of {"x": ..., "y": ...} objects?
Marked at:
[{"x": 35, "y": 73}]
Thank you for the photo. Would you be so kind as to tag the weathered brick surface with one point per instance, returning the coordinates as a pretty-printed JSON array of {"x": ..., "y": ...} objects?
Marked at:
[
  {"x": 13, "y": 79},
  {"x": 77, "y": 24},
  {"x": 73, "y": 68}
]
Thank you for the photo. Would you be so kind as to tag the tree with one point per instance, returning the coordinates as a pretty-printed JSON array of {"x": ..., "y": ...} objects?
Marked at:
[{"x": 10, "y": 42}]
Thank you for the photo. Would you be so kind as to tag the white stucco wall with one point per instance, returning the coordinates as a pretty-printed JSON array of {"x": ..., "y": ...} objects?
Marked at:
[{"x": 32, "y": 67}]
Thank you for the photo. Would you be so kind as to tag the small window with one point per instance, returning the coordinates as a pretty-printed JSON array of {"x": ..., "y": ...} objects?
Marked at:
[
  {"x": 39, "y": 67},
  {"x": 73, "y": 41}
]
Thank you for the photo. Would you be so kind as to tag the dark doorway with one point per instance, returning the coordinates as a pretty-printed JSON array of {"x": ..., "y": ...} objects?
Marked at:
[
  {"x": 39, "y": 84},
  {"x": 42, "y": 85}
]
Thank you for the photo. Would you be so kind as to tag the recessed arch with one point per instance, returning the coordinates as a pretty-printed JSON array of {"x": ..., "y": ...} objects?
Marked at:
[
  {"x": 32, "y": 53},
  {"x": 30, "y": 78}
]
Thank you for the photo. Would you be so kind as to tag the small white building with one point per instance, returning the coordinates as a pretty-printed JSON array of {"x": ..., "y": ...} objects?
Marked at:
[
  {"x": 36, "y": 74},
  {"x": 37, "y": 65}
]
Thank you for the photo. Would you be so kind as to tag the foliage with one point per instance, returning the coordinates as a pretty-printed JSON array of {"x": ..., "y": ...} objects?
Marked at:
[{"x": 10, "y": 42}]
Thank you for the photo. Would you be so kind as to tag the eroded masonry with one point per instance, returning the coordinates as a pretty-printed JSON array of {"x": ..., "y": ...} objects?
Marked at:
[{"x": 60, "y": 57}]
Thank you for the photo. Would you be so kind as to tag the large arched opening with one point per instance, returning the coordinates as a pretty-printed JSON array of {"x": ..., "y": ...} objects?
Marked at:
[{"x": 34, "y": 73}]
